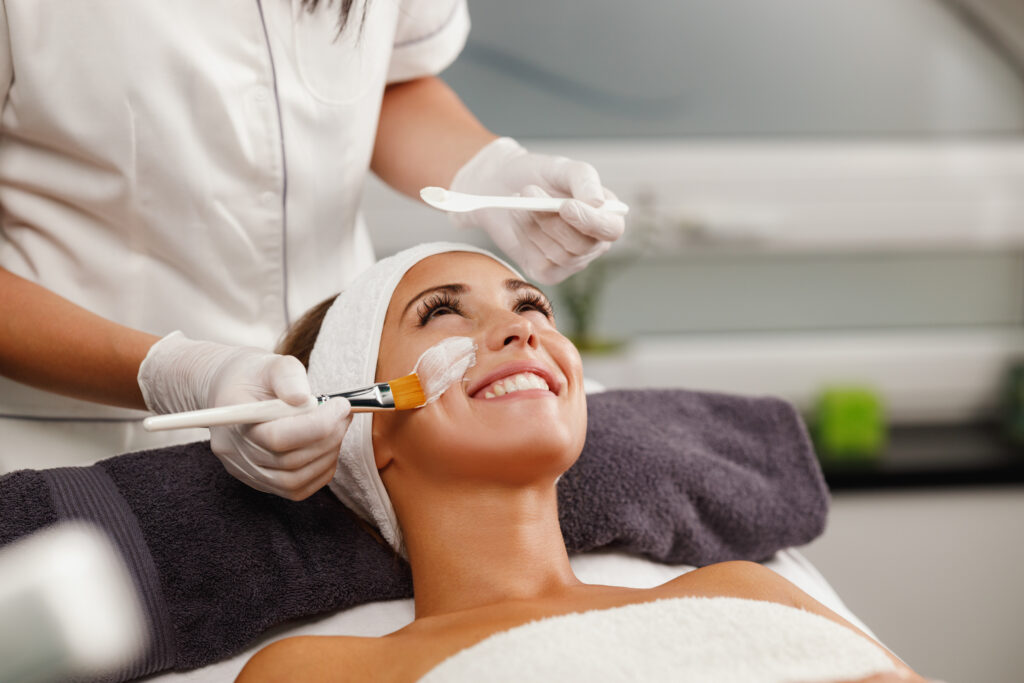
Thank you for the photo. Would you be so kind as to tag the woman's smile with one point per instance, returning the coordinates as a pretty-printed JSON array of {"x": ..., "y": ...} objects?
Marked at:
[
  {"x": 516, "y": 384},
  {"x": 518, "y": 379}
]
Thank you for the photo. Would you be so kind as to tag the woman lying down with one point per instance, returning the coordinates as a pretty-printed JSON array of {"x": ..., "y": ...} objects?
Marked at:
[{"x": 465, "y": 488}]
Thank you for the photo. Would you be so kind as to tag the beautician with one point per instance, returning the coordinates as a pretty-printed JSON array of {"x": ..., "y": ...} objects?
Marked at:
[{"x": 178, "y": 180}]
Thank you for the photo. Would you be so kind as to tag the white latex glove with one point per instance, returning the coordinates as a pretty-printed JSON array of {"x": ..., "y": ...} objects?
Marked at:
[
  {"x": 549, "y": 247},
  {"x": 292, "y": 457}
]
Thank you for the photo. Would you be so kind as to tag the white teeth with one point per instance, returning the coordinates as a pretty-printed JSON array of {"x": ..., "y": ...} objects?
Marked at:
[{"x": 519, "y": 382}]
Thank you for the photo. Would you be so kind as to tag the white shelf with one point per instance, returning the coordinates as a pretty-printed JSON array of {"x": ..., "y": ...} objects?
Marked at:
[{"x": 932, "y": 376}]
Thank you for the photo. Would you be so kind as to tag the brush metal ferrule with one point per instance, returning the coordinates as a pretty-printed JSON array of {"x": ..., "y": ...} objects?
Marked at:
[{"x": 371, "y": 399}]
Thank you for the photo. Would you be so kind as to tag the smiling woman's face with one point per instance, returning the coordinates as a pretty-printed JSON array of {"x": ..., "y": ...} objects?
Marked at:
[{"x": 520, "y": 412}]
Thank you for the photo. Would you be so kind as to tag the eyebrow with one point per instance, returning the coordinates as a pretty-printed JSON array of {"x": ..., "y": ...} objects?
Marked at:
[{"x": 512, "y": 285}]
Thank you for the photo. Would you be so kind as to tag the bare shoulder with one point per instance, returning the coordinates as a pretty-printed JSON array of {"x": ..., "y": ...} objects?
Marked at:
[
  {"x": 753, "y": 581},
  {"x": 313, "y": 658},
  {"x": 739, "y": 579}
]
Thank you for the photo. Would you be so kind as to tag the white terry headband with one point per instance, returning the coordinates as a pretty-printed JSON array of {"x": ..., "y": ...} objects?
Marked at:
[{"x": 344, "y": 357}]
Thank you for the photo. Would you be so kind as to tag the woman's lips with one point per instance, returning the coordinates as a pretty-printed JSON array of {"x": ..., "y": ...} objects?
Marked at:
[{"x": 517, "y": 377}]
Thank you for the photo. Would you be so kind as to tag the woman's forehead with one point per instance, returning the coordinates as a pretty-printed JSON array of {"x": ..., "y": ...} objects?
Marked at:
[{"x": 455, "y": 266}]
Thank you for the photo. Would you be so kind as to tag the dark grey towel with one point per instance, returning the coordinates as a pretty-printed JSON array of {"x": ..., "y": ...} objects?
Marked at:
[
  {"x": 678, "y": 476},
  {"x": 693, "y": 477}
]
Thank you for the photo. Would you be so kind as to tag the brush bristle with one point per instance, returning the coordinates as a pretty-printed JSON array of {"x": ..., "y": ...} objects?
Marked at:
[{"x": 407, "y": 392}]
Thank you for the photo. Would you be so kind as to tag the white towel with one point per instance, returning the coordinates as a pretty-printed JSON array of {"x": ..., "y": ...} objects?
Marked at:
[{"x": 722, "y": 640}]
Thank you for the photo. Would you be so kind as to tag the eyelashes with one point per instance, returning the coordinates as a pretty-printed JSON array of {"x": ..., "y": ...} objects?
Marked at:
[
  {"x": 531, "y": 300},
  {"x": 446, "y": 303},
  {"x": 438, "y": 304}
]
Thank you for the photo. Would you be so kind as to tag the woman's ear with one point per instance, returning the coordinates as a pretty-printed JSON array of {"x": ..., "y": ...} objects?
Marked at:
[{"x": 382, "y": 447}]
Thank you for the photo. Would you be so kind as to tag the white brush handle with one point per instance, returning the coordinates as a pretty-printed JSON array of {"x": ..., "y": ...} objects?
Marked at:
[{"x": 241, "y": 413}]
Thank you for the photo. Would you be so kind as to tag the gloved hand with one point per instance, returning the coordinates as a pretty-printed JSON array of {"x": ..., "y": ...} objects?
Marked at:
[
  {"x": 292, "y": 457},
  {"x": 549, "y": 247}
]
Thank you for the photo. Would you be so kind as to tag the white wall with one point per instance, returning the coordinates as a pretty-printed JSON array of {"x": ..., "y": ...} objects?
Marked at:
[
  {"x": 935, "y": 574},
  {"x": 735, "y": 68}
]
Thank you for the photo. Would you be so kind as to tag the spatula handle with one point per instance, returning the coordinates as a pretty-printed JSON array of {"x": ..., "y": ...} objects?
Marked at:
[{"x": 552, "y": 204}]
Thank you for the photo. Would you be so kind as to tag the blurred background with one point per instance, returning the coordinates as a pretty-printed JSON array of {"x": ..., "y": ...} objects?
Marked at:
[{"x": 827, "y": 205}]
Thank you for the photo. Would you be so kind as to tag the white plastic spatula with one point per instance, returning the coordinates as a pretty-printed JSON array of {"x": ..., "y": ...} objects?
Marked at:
[{"x": 459, "y": 202}]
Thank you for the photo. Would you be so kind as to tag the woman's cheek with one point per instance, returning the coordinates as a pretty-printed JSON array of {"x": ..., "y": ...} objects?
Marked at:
[{"x": 567, "y": 357}]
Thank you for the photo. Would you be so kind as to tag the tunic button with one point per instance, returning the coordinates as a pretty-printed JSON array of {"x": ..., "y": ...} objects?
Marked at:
[
  {"x": 261, "y": 94},
  {"x": 268, "y": 198}
]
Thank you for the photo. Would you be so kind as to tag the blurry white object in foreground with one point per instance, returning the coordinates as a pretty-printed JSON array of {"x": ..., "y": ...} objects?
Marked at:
[{"x": 68, "y": 606}]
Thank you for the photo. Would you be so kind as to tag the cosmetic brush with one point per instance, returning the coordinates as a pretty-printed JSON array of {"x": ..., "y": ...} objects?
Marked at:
[
  {"x": 403, "y": 393},
  {"x": 437, "y": 369}
]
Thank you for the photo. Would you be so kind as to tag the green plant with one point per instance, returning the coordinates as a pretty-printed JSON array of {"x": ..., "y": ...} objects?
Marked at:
[{"x": 581, "y": 296}]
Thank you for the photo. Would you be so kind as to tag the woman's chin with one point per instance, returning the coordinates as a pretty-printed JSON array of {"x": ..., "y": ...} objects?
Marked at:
[
  {"x": 520, "y": 451},
  {"x": 515, "y": 418},
  {"x": 540, "y": 446}
]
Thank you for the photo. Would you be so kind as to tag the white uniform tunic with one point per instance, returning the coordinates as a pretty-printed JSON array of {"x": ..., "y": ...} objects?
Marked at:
[{"x": 190, "y": 165}]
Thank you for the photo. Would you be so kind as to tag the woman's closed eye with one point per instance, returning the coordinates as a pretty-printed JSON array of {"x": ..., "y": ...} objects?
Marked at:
[
  {"x": 532, "y": 301},
  {"x": 436, "y": 305}
]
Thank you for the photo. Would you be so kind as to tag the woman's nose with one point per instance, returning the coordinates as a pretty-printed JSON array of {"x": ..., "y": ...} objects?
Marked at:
[{"x": 511, "y": 329}]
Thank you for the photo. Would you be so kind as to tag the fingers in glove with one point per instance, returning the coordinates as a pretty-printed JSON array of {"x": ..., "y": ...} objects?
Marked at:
[
  {"x": 576, "y": 179},
  {"x": 284, "y": 439},
  {"x": 302, "y": 483},
  {"x": 289, "y": 461},
  {"x": 555, "y": 256},
  {"x": 544, "y": 244},
  {"x": 321, "y": 472},
  {"x": 295, "y": 475},
  {"x": 581, "y": 181},
  {"x": 572, "y": 242},
  {"x": 287, "y": 379},
  {"x": 585, "y": 184},
  {"x": 595, "y": 223},
  {"x": 296, "y": 485}
]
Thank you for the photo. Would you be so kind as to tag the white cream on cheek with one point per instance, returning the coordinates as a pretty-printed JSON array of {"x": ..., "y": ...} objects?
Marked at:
[{"x": 443, "y": 364}]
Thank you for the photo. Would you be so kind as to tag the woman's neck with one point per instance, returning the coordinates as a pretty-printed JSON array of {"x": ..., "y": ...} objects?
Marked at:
[{"x": 479, "y": 546}]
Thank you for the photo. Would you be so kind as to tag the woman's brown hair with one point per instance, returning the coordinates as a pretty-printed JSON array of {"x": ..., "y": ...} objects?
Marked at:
[{"x": 298, "y": 340}]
